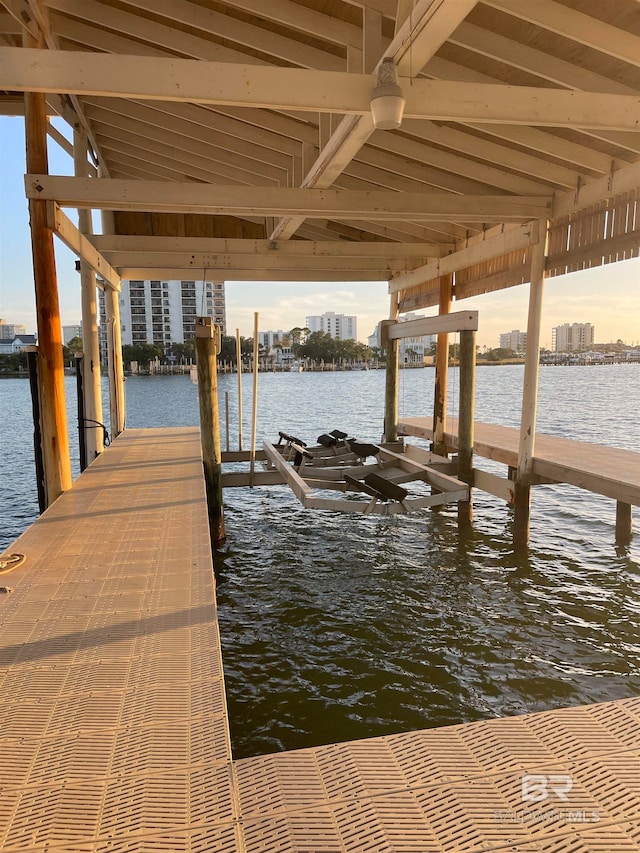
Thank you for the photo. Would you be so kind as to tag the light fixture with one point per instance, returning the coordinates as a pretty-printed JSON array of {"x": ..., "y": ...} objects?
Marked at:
[{"x": 387, "y": 101}]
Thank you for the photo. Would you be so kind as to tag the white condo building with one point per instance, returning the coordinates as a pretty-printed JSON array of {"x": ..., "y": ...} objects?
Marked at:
[
  {"x": 410, "y": 350},
  {"x": 340, "y": 326},
  {"x": 515, "y": 340},
  {"x": 572, "y": 337},
  {"x": 164, "y": 312}
]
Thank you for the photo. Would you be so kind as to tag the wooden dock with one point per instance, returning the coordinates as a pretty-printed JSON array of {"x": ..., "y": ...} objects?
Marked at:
[
  {"x": 608, "y": 471},
  {"x": 115, "y": 735}
]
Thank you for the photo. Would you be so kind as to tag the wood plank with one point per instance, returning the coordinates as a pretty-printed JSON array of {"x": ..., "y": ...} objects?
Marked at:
[
  {"x": 609, "y": 471},
  {"x": 456, "y": 322},
  {"x": 295, "y": 482},
  {"x": 181, "y": 197},
  {"x": 79, "y": 243},
  {"x": 305, "y": 90}
]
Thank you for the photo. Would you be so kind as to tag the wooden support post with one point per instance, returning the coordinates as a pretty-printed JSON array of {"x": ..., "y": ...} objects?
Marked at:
[
  {"x": 239, "y": 366},
  {"x": 53, "y": 412},
  {"x": 526, "y": 448},
  {"x": 442, "y": 370},
  {"x": 466, "y": 419},
  {"x": 623, "y": 523},
  {"x": 207, "y": 348},
  {"x": 32, "y": 361},
  {"x": 392, "y": 348},
  {"x": 82, "y": 432},
  {"x": 117, "y": 408},
  {"x": 92, "y": 388},
  {"x": 254, "y": 412},
  {"x": 114, "y": 359}
]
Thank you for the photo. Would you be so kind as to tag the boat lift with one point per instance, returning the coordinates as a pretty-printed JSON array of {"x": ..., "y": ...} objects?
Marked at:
[{"x": 310, "y": 471}]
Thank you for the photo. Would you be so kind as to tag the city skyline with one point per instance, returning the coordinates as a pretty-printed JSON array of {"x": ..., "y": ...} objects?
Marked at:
[{"x": 609, "y": 295}]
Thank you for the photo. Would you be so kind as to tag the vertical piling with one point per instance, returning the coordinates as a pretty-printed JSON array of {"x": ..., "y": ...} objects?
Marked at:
[
  {"x": 114, "y": 360},
  {"x": 82, "y": 430},
  {"x": 91, "y": 384},
  {"x": 115, "y": 368},
  {"x": 254, "y": 412},
  {"x": 442, "y": 370},
  {"x": 465, "y": 421},
  {"x": 392, "y": 349},
  {"x": 53, "y": 413},
  {"x": 623, "y": 523},
  {"x": 32, "y": 362},
  {"x": 526, "y": 448},
  {"x": 207, "y": 349},
  {"x": 239, "y": 366}
]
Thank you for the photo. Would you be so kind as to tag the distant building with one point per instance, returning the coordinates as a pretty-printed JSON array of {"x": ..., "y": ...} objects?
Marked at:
[
  {"x": 71, "y": 332},
  {"x": 21, "y": 342},
  {"x": 572, "y": 337},
  {"x": 340, "y": 326},
  {"x": 410, "y": 350},
  {"x": 164, "y": 312},
  {"x": 273, "y": 338},
  {"x": 9, "y": 331},
  {"x": 515, "y": 340}
]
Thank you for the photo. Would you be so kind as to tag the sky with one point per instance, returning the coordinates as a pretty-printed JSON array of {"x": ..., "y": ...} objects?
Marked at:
[{"x": 607, "y": 297}]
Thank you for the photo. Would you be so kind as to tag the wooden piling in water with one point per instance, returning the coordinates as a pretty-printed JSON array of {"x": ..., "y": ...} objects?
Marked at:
[
  {"x": 526, "y": 449},
  {"x": 623, "y": 523},
  {"x": 442, "y": 370},
  {"x": 53, "y": 412},
  {"x": 392, "y": 349},
  {"x": 207, "y": 349},
  {"x": 466, "y": 419}
]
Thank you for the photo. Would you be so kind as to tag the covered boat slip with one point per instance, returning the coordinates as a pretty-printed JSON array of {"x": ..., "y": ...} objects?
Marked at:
[{"x": 114, "y": 729}]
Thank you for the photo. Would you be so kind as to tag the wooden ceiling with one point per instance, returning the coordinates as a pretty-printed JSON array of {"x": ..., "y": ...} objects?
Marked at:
[{"x": 514, "y": 109}]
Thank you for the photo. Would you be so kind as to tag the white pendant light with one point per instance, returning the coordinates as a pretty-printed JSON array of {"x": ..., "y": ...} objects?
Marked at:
[{"x": 387, "y": 101}]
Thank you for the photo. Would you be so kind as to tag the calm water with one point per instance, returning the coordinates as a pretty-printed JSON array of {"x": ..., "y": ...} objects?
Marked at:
[{"x": 339, "y": 627}]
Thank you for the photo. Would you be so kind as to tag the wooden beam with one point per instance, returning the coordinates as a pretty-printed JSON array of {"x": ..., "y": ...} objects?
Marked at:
[
  {"x": 295, "y": 482},
  {"x": 443, "y": 323},
  {"x": 261, "y": 248},
  {"x": 160, "y": 196},
  {"x": 267, "y": 263},
  {"x": 168, "y": 273},
  {"x": 507, "y": 241},
  {"x": 60, "y": 223},
  {"x": 150, "y": 78}
]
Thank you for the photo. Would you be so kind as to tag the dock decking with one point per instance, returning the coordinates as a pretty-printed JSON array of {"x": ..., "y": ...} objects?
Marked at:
[
  {"x": 115, "y": 735},
  {"x": 608, "y": 471}
]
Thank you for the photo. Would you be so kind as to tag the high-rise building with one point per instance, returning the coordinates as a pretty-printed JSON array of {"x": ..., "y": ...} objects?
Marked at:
[
  {"x": 515, "y": 340},
  {"x": 340, "y": 326},
  {"x": 9, "y": 331},
  {"x": 164, "y": 312},
  {"x": 71, "y": 332},
  {"x": 572, "y": 337}
]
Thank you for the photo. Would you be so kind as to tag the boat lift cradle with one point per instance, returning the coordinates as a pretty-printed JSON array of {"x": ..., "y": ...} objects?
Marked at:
[{"x": 380, "y": 480}]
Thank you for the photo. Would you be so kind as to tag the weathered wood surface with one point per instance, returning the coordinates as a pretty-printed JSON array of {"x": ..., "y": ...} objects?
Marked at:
[{"x": 609, "y": 471}]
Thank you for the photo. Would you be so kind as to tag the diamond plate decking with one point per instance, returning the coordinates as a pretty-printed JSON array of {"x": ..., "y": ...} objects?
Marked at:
[{"x": 114, "y": 729}]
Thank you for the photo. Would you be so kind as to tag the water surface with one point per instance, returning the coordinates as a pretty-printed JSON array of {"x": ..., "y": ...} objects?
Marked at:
[{"x": 337, "y": 626}]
